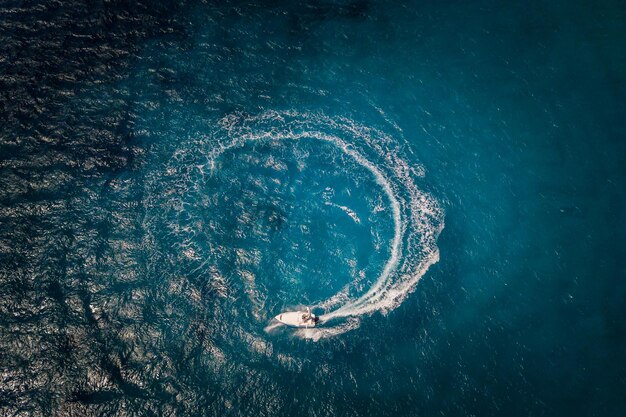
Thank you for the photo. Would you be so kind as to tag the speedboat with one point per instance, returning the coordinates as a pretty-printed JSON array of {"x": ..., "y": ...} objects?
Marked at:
[{"x": 298, "y": 318}]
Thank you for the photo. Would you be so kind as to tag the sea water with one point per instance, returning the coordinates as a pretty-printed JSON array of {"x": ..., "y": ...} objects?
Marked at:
[{"x": 442, "y": 183}]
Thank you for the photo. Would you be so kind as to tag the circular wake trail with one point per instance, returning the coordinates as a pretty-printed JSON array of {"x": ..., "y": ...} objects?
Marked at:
[{"x": 417, "y": 217}]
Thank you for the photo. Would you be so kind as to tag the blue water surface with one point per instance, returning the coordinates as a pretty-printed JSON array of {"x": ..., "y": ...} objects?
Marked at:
[{"x": 173, "y": 176}]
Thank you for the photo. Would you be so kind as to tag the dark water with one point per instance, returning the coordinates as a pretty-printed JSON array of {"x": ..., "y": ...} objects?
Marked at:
[{"x": 171, "y": 177}]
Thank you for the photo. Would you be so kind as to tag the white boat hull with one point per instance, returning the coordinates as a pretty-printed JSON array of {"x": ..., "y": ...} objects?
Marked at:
[{"x": 294, "y": 319}]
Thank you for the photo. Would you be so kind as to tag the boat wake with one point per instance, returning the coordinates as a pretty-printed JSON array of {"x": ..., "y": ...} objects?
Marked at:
[{"x": 417, "y": 216}]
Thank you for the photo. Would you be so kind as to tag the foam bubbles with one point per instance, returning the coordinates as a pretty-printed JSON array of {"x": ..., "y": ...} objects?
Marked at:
[{"x": 417, "y": 216}]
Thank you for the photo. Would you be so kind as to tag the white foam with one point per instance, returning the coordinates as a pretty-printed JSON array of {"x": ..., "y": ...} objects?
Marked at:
[
  {"x": 346, "y": 210},
  {"x": 417, "y": 217}
]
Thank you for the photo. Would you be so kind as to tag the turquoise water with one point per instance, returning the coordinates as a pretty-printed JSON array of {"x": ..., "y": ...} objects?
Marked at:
[{"x": 442, "y": 183}]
